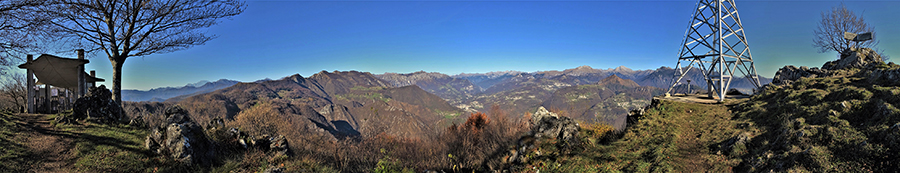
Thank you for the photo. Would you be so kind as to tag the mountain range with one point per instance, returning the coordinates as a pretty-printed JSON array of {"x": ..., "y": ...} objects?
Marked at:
[
  {"x": 522, "y": 92},
  {"x": 161, "y": 94},
  {"x": 350, "y": 103},
  {"x": 336, "y": 104}
]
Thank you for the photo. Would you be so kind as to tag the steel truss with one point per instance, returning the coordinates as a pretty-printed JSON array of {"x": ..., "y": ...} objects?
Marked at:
[{"x": 715, "y": 43}]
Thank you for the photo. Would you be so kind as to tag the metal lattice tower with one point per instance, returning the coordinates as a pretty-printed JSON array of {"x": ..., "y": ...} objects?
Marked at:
[{"x": 715, "y": 43}]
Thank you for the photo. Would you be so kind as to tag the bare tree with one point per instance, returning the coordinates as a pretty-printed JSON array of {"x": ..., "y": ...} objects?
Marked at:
[
  {"x": 20, "y": 29},
  {"x": 829, "y": 36},
  {"x": 133, "y": 28},
  {"x": 13, "y": 88}
]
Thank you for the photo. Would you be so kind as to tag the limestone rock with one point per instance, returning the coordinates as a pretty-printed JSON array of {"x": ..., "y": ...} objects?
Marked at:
[
  {"x": 850, "y": 58},
  {"x": 549, "y": 125},
  {"x": 180, "y": 138},
  {"x": 138, "y": 121},
  {"x": 546, "y": 125},
  {"x": 729, "y": 145},
  {"x": 279, "y": 145},
  {"x": 541, "y": 114},
  {"x": 887, "y": 77},
  {"x": 787, "y": 74},
  {"x": 98, "y": 106}
]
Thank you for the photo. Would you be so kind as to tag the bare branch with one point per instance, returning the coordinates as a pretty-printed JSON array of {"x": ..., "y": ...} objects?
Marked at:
[
  {"x": 829, "y": 36},
  {"x": 20, "y": 30},
  {"x": 13, "y": 89},
  {"x": 126, "y": 28}
]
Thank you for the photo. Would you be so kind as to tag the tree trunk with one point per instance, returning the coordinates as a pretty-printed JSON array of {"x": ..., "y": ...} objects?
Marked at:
[{"x": 117, "y": 80}]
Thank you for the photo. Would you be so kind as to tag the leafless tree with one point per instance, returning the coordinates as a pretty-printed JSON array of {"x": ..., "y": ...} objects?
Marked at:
[
  {"x": 20, "y": 29},
  {"x": 133, "y": 28},
  {"x": 13, "y": 89},
  {"x": 829, "y": 36}
]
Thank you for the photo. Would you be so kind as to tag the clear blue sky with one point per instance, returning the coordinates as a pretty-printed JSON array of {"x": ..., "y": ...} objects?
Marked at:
[{"x": 273, "y": 39}]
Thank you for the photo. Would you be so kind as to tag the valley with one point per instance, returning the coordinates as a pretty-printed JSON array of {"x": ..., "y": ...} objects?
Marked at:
[{"x": 363, "y": 103}]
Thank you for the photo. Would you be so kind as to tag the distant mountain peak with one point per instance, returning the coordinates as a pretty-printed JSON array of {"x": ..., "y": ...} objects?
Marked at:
[
  {"x": 297, "y": 78},
  {"x": 199, "y": 83},
  {"x": 616, "y": 80},
  {"x": 584, "y": 67},
  {"x": 621, "y": 68}
]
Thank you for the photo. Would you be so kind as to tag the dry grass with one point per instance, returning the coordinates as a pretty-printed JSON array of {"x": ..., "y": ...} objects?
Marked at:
[{"x": 467, "y": 146}]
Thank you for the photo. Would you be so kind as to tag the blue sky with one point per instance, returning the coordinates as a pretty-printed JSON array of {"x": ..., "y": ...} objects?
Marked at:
[{"x": 273, "y": 39}]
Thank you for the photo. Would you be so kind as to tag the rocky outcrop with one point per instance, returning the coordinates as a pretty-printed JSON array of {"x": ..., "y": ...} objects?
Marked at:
[
  {"x": 96, "y": 106},
  {"x": 728, "y": 147},
  {"x": 276, "y": 145},
  {"x": 233, "y": 140},
  {"x": 181, "y": 139},
  {"x": 788, "y": 74},
  {"x": 854, "y": 58},
  {"x": 545, "y": 125},
  {"x": 886, "y": 77},
  {"x": 850, "y": 58}
]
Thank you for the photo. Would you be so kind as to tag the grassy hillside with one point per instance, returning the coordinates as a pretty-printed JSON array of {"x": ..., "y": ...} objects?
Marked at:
[
  {"x": 847, "y": 121},
  {"x": 34, "y": 143},
  {"x": 31, "y": 142},
  {"x": 12, "y": 148},
  {"x": 670, "y": 136}
]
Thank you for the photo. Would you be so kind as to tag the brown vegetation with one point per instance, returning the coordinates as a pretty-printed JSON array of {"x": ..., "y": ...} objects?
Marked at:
[
  {"x": 473, "y": 145},
  {"x": 12, "y": 93},
  {"x": 479, "y": 142}
]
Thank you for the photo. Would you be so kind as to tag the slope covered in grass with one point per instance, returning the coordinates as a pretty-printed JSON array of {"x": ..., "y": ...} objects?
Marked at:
[
  {"x": 844, "y": 120},
  {"x": 669, "y": 136},
  {"x": 12, "y": 149},
  {"x": 108, "y": 148},
  {"x": 847, "y": 121}
]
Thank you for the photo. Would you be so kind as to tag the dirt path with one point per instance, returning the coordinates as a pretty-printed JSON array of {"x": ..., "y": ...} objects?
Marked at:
[
  {"x": 51, "y": 148},
  {"x": 700, "y": 98}
]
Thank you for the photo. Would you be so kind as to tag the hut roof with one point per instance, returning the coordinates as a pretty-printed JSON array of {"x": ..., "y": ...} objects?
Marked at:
[{"x": 58, "y": 71}]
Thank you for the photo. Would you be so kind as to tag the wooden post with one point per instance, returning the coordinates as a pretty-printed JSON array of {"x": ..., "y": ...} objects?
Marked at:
[
  {"x": 47, "y": 98},
  {"x": 94, "y": 75},
  {"x": 81, "y": 81},
  {"x": 29, "y": 76}
]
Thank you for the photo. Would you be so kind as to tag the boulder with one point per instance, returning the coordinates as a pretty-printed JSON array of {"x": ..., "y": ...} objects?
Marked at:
[
  {"x": 138, "y": 121},
  {"x": 98, "y": 106},
  {"x": 180, "y": 138},
  {"x": 854, "y": 58},
  {"x": 545, "y": 125},
  {"x": 279, "y": 145}
]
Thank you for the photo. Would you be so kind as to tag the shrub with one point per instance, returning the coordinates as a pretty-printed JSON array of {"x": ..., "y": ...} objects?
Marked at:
[
  {"x": 595, "y": 132},
  {"x": 477, "y": 143}
]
